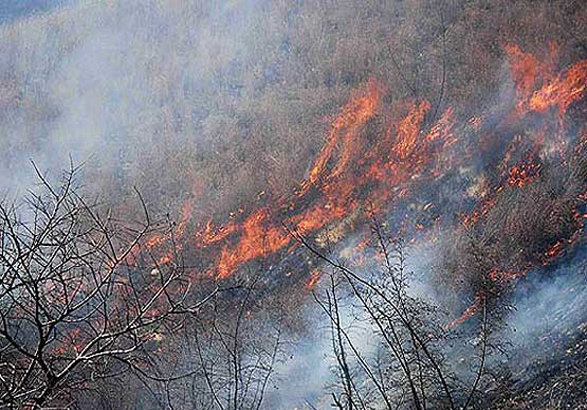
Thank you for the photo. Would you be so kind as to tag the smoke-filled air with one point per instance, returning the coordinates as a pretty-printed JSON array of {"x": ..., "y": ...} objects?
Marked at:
[{"x": 293, "y": 204}]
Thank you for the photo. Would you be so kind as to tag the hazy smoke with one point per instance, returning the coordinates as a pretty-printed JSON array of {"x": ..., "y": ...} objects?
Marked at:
[
  {"x": 550, "y": 310},
  {"x": 220, "y": 101},
  {"x": 112, "y": 82}
]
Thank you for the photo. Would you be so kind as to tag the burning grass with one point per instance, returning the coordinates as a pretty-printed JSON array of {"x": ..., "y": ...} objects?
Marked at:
[
  {"x": 519, "y": 228},
  {"x": 317, "y": 119}
]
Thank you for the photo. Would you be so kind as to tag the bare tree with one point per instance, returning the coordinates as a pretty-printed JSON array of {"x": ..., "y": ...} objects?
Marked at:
[
  {"x": 236, "y": 344},
  {"x": 76, "y": 303},
  {"x": 409, "y": 368}
]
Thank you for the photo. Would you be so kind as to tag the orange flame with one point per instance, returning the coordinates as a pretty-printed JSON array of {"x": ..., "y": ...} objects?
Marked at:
[
  {"x": 258, "y": 239},
  {"x": 562, "y": 91},
  {"x": 355, "y": 169},
  {"x": 523, "y": 174},
  {"x": 314, "y": 278}
]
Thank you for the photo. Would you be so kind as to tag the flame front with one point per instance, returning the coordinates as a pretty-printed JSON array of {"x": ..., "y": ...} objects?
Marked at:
[{"x": 382, "y": 168}]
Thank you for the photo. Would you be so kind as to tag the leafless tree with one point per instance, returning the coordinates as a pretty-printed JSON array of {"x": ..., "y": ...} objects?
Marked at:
[
  {"x": 76, "y": 303},
  {"x": 409, "y": 368},
  {"x": 235, "y": 345}
]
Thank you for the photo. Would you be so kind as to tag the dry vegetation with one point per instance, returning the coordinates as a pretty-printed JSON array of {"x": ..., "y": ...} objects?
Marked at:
[
  {"x": 230, "y": 103},
  {"x": 225, "y": 107}
]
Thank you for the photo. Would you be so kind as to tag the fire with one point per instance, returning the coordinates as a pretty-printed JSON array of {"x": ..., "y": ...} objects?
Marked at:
[
  {"x": 314, "y": 278},
  {"x": 258, "y": 239},
  {"x": 261, "y": 234},
  {"x": 333, "y": 176},
  {"x": 562, "y": 91},
  {"x": 469, "y": 312},
  {"x": 528, "y": 71},
  {"x": 500, "y": 276},
  {"x": 408, "y": 130},
  {"x": 555, "y": 251},
  {"x": 483, "y": 207},
  {"x": 523, "y": 174},
  {"x": 537, "y": 87},
  {"x": 211, "y": 235},
  {"x": 164, "y": 244},
  {"x": 355, "y": 114},
  {"x": 356, "y": 170}
]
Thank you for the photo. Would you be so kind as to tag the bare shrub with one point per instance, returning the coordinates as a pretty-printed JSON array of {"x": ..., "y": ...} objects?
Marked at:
[{"x": 73, "y": 308}]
